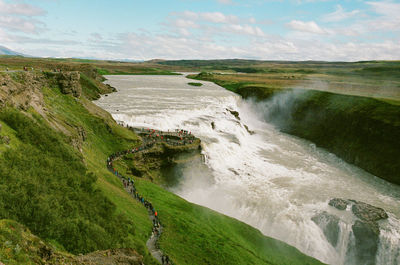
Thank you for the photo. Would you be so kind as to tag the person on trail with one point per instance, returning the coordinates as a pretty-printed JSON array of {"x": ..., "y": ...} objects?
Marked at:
[
  {"x": 155, "y": 213},
  {"x": 166, "y": 259}
]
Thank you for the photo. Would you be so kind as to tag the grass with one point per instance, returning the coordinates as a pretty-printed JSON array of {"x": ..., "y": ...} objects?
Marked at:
[
  {"x": 370, "y": 79},
  {"x": 89, "y": 88},
  {"x": 38, "y": 190},
  {"x": 104, "y": 137},
  {"x": 195, "y": 84},
  {"x": 19, "y": 246},
  {"x": 11, "y": 134}
]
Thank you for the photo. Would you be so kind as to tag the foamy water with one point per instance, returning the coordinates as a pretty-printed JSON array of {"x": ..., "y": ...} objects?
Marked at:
[{"x": 272, "y": 181}]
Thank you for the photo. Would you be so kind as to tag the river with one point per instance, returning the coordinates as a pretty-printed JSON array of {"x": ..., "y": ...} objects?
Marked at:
[{"x": 270, "y": 180}]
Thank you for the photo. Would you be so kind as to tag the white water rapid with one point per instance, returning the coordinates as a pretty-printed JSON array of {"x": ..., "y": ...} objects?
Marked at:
[{"x": 270, "y": 180}]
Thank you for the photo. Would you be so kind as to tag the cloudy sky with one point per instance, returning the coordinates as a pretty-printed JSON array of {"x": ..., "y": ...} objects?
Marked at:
[{"x": 203, "y": 29}]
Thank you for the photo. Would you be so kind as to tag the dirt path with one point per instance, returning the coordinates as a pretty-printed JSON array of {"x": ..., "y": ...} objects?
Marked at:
[
  {"x": 152, "y": 242},
  {"x": 150, "y": 137}
]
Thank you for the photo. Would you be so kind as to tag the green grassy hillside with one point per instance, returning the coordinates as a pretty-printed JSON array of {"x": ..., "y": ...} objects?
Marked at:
[
  {"x": 55, "y": 182},
  {"x": 197, "y": 235}
]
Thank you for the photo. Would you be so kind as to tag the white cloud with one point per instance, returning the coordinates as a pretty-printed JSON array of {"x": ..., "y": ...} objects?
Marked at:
[
  {"x": 214, "y": 37},
  {"x": 225, "y": 2},
  {"x": 244, "y": 29},
  {"x": 310, "y": 27},
  {"x": 212, "y": 17},
  {"x": 252, "y": 20},
  {"x": 15, "y": 23},
  {"x": 212, "y": 24},
  {"x": 188, "y": 15},
  {"x": 95, "y": 37},
  {"x": 386, "y": 8},
  {"x": 19, "y": 17},
  {"x": 185, "y": 23},
  {"x": 218, "y": 17},
  {"x": 339, "y": 14},
  {"x": 205, "y": 35},
  {"x": 388, "y": 19},
  {"x": 170, "y": 47},
  {"x": 20, "y": 9}
]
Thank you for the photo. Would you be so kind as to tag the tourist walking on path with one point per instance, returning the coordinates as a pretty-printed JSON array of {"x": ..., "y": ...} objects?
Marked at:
[{"x": 129, "y": 183}]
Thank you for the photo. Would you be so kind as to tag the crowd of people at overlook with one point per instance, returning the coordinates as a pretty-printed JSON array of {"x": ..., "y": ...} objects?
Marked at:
[{"x": 177, "y": 137}]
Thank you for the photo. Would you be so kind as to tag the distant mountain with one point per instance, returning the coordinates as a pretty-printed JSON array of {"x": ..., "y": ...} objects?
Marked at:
[{"x": 6, "y": 51}]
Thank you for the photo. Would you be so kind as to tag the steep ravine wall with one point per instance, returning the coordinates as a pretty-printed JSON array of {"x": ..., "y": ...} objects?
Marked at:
[
  {"x": 362, "y": 131},
  {"x": 161, "y": 164}
]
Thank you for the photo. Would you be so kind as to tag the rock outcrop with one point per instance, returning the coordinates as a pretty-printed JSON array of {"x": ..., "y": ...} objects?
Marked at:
[
  {"x": 366, "y": 243},
  {"x": 329, "y": 224},
  {"x": 110, "y": 88},
  {"x": 21, "y": 90},
  {"x": 368, "y": 213},
  {"x": 365, "y": 229},
  {"x": 248, "y": 130},
  {"x": 234, "y": 113},
  {"x": 69, "y": 83},
  {"x": 5, "y": 140},
  {"x": 213, "y": 125},
  {"x": 339, "y": 204},
  {"x": 112, "y": 257},
  {"x": 81, "y": 133}
]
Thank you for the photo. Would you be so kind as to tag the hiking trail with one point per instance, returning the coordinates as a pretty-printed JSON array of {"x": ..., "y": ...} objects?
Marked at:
[{"x": 150, "y": 137}]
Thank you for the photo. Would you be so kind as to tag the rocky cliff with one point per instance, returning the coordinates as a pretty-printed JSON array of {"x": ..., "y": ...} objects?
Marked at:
[{"x": 365, "y": 229}]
